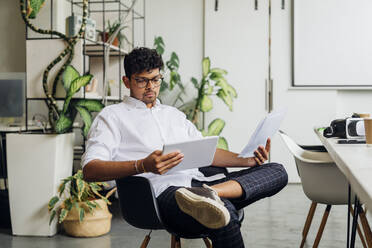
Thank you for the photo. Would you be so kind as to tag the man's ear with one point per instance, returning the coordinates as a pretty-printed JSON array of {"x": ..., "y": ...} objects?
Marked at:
[{"x": 126, "y": 82}]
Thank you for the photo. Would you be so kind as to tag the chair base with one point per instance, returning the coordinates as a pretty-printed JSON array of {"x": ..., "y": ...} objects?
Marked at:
[
  {"x": 175, "y": 242},
  {"x": 366, "y": 239}
]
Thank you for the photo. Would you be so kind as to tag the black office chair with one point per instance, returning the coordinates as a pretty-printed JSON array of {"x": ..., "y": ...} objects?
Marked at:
[{"x": 140, "y": 209}]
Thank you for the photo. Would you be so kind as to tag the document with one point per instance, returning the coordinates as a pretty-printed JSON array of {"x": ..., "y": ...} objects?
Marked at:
[
  {"x": 265, "y": 129},
  {"x": 197, "y": 153}
]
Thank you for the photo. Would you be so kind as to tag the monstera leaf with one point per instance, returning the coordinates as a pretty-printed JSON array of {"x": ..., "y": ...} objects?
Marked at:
[{"x": 159, "y": 45}]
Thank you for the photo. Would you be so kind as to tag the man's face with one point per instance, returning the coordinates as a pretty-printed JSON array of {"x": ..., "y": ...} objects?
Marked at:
[{"x": 143, "y": 89}]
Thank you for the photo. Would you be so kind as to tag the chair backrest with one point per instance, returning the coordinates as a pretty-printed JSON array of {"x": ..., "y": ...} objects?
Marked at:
[
  {"x": 138, "y": 203},
  {"x": 321, "y": 179}
]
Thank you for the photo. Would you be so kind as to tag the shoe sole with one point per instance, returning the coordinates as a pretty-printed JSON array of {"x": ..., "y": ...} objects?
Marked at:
[{"x": 206, "y": 211}]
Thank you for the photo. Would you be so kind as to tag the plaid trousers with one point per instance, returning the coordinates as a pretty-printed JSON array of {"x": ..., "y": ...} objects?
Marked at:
[{"x": 257, "y": 183}]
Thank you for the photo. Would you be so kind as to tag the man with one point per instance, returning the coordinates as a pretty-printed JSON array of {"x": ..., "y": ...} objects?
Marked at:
[{"x": 126, "y": 139}]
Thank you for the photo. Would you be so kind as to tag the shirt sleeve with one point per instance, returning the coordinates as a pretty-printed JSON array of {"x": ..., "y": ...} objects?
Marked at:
[
  {"x": 193, "y": 132},
  {"x": 103, "y": 139}
]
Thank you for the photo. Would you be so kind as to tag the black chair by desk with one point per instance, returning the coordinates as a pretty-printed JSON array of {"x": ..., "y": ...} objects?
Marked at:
[{"x": 140, "y": 209}]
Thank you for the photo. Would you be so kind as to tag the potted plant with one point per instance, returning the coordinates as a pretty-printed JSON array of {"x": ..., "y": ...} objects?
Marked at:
[
  {"x": 213, "y": 83},
  {"x": 42, "y": 159},
  {"x": 81, "y": 208},
  {"x": 111, "y": 29}
]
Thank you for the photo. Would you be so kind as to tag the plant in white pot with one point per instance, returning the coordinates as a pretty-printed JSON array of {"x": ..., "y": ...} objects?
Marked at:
[
  {"x": 81, "y": 208},
  {"x": 37, "y": 161}
]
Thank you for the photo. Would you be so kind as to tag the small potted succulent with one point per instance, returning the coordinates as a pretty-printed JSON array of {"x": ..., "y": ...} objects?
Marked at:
[{"x": 81, "y": 208}]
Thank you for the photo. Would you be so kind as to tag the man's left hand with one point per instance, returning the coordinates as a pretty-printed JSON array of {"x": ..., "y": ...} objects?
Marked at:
[{"x": 261, "y": 154}]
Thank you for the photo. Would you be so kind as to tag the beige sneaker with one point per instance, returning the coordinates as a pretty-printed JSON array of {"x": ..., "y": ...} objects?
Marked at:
[{"x": 204, "y": 205}]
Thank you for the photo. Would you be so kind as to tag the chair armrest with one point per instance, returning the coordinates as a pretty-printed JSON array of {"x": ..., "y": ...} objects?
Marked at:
[
  {"x": 138, "y": 202},
  {"x": 314, "y": 148}
]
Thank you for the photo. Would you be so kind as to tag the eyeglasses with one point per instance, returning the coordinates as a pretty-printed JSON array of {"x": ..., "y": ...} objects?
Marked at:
[{"x": 143, "y": 82}]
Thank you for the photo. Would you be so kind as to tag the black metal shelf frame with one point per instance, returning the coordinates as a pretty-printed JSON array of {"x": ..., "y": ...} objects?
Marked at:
[{"x": 121, "y": 8}]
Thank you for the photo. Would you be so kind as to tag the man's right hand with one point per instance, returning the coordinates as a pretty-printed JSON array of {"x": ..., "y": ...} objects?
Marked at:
[{"x": 158, "y": 163}]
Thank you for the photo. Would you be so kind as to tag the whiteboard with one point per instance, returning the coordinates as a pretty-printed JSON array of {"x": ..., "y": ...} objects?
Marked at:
[{"x": 332, "y": 43}]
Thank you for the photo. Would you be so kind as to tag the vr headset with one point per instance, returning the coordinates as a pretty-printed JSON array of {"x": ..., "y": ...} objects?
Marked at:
[{"x": 348, "y": 128}]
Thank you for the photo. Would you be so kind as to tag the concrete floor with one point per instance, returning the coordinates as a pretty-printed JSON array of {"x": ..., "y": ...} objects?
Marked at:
[{"x": 271, "y": 222}]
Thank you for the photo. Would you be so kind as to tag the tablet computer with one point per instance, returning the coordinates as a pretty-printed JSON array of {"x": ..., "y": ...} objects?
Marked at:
[{"x": 197, "y": 153}]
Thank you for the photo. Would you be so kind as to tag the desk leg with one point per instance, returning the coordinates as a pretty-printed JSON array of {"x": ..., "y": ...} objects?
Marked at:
[
  {"x": 348, "y": 217},
  {"x": 355, "y": 222}
]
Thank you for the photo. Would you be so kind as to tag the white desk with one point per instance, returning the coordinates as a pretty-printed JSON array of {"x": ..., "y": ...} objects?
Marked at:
[{"x": 355, "y": 162}]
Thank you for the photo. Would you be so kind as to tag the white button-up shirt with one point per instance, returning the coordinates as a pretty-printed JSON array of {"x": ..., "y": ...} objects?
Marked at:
[{"x": 130, "y": 131}]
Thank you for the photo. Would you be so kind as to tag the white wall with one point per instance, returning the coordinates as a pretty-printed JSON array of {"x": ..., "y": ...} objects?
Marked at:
[
  {"x": 12, "y": 38},
  {"x": 180, "y": 23}
]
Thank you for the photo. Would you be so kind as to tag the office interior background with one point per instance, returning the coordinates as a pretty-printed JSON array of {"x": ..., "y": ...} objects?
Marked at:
[{"x": 311, "y": 57}]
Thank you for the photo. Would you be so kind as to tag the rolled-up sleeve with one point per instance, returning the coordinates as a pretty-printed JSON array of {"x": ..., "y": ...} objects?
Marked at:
[{"x": 103, "y": 139}]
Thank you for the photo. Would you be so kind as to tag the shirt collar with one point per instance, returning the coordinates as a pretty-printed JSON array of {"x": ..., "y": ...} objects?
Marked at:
[{"x": 135, "y": 103}]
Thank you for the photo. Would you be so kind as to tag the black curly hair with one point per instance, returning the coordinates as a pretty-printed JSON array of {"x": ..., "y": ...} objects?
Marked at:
[{"x": 142, "y": 59}]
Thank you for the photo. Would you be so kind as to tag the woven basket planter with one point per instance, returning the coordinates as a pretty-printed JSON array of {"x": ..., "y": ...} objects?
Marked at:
[{"x": 94, "y": 224}]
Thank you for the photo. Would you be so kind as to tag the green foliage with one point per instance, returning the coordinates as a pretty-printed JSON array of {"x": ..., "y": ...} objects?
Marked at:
[
  {"x": 216, "y": 127},
  {"x": 159, "y": 45},
  {"x": 173, "y": 78},
  {"x": 212, "y": 83},
  {"x": 87, "y": 119},
  {"x": 69, "y": 75},
  {"x": 111, "y": 28},
  {"x": 90, "y": 105},
  {"x": 34, "y": 7},
  {"x": 64, "y": 124},
  {"x": 73, "y": 82},
  {"x": 72, "y": 191}
]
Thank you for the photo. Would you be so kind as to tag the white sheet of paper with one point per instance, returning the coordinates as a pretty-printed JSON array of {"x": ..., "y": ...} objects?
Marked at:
[
  {"x": 197, "y": 153},
  {"x": 265, "y": 129}
]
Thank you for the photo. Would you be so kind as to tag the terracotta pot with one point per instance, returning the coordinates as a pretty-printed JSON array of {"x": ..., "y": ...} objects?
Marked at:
[
  {"x": 94, "y": 224},
  {"x": 105, "y": 37}
]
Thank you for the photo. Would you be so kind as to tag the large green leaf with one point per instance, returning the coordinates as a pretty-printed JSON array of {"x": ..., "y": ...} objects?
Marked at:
[
  {"x": 52, "y": 202},
  {"x": 64, "y": 124},
  {"x": 216, "y": 127},
  {"x": 52, "y": 216},
  {"x": 91, "y": 105},
  {"x": 34, "y": 7},
  {"x": 78, "y": 83},
  {"x": 222, "y": 144},
  {"x": 87, "y": 119},
  {"x": 206, "y": 103},
  {"x": 206, "y": 66},
  {"x": 226, "y": 98},
  {"x": 159, "y": 45},
  {"x": 69, "y": 75},
  {"x": 75, "y": 87}
]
